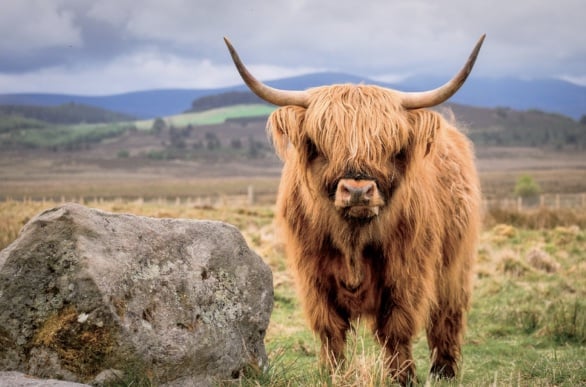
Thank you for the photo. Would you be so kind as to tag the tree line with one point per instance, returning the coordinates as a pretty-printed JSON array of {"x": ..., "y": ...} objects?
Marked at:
[
  {"x": 533, "y": 128},
  {"x": 225, "y": 99}
]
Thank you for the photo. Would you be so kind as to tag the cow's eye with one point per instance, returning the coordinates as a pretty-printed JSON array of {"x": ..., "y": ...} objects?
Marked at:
[
  {"x": 401, "y": 156},
  {"x": 311, "y": 150}
]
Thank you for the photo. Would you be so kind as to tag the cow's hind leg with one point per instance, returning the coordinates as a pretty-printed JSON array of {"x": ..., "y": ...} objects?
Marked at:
[{"x": 444, "y": 336}]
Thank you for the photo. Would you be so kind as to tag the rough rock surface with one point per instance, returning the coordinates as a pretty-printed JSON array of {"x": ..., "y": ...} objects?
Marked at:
[
  {"x": 83, "y": 291},
  {"x": 18, "y": 379}
]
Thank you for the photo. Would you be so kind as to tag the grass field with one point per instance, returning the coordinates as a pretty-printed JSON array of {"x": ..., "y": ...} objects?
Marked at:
[
  {"x": 527, "y": 325},
  {"x": 213, "y": 116}
]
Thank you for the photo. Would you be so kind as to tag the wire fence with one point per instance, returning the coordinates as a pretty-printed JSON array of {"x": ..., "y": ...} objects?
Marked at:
[
  {"x": 548, "y": 201},
  {"x": 252, "y": 197}
]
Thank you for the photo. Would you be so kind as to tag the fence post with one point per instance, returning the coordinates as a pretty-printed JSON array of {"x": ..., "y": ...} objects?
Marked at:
[
  {"x": 519, "y": 203},
  {"x": 250, "y": 195},
  {"x": 557, "y": 201}
]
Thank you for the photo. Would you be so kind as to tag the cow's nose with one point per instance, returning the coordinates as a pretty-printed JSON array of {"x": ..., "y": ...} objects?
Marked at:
[{"x": 356, "y": 191}]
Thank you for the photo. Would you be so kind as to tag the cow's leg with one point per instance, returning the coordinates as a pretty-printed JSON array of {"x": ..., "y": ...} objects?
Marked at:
[
  {"x": 394, "y": 329},
  {"x": 333, "y": 341},
  {"x": 444, "y": 336},
  {"x": 447, "y": 319},
  {"x": 330, "y": 322},
  {"x": 399, "y": 359}
]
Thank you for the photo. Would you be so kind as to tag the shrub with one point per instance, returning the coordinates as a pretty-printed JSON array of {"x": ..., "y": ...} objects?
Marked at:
[
  {"x": 157, "y": 155},
  {"x": 158, "y": 125},
  {"x": 526, "y": 187}
]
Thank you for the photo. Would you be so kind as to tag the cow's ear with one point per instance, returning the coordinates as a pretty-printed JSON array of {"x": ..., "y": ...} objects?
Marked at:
[
  {"x": 285, "y": 126},
  {"x": 425, "y": 126}
]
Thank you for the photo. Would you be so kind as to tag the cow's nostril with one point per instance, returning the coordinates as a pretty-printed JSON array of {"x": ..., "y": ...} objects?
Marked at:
[
  {"x": 345, "y": 189},
  {"x": 369, "y": 191}
]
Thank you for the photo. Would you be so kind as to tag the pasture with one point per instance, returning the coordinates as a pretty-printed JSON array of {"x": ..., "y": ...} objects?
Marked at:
[{"x": 527, "y": 325}]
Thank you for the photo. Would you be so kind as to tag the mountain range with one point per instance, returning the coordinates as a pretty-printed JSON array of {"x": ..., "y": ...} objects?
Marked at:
[{"x": 548, "y": 95}]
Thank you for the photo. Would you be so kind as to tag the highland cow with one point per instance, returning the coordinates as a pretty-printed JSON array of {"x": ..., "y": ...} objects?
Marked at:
[{"x": 379, "y": 203}]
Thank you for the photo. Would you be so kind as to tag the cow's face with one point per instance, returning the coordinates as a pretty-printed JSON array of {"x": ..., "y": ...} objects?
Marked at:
[{"x": 352, "y": 146}]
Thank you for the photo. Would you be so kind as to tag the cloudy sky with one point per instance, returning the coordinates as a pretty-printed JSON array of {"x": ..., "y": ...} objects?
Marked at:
[{"x": 96, "y": 47}]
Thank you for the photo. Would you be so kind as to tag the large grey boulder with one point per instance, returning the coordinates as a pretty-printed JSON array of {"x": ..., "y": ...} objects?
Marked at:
[{"x": 83, "y": 292}]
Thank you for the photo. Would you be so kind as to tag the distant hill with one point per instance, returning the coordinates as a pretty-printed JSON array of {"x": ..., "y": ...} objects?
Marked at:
[
  {"x": 70, "y": 113},
  {"x": 141, "y": 104},
  {"x": 519, "y": 128},
  {"x": 553, "y": 96},
  {"x": 548, "y": 95}
]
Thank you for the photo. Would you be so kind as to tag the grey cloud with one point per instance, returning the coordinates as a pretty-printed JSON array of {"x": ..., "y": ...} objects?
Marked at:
[{"x": 374, "y": 38}]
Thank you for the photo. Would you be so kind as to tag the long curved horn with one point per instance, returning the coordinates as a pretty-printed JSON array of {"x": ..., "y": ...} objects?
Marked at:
[
  {"x": 434, "y": 97},
  {"x": 275, "y": 96}
]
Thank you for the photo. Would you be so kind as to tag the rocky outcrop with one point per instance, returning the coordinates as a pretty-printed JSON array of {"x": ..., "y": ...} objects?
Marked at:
[{"x": 84, "y": 291}]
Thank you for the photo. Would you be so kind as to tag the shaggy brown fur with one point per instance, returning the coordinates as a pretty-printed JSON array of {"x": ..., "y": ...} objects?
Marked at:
[{"x": 409, "y": 265}]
